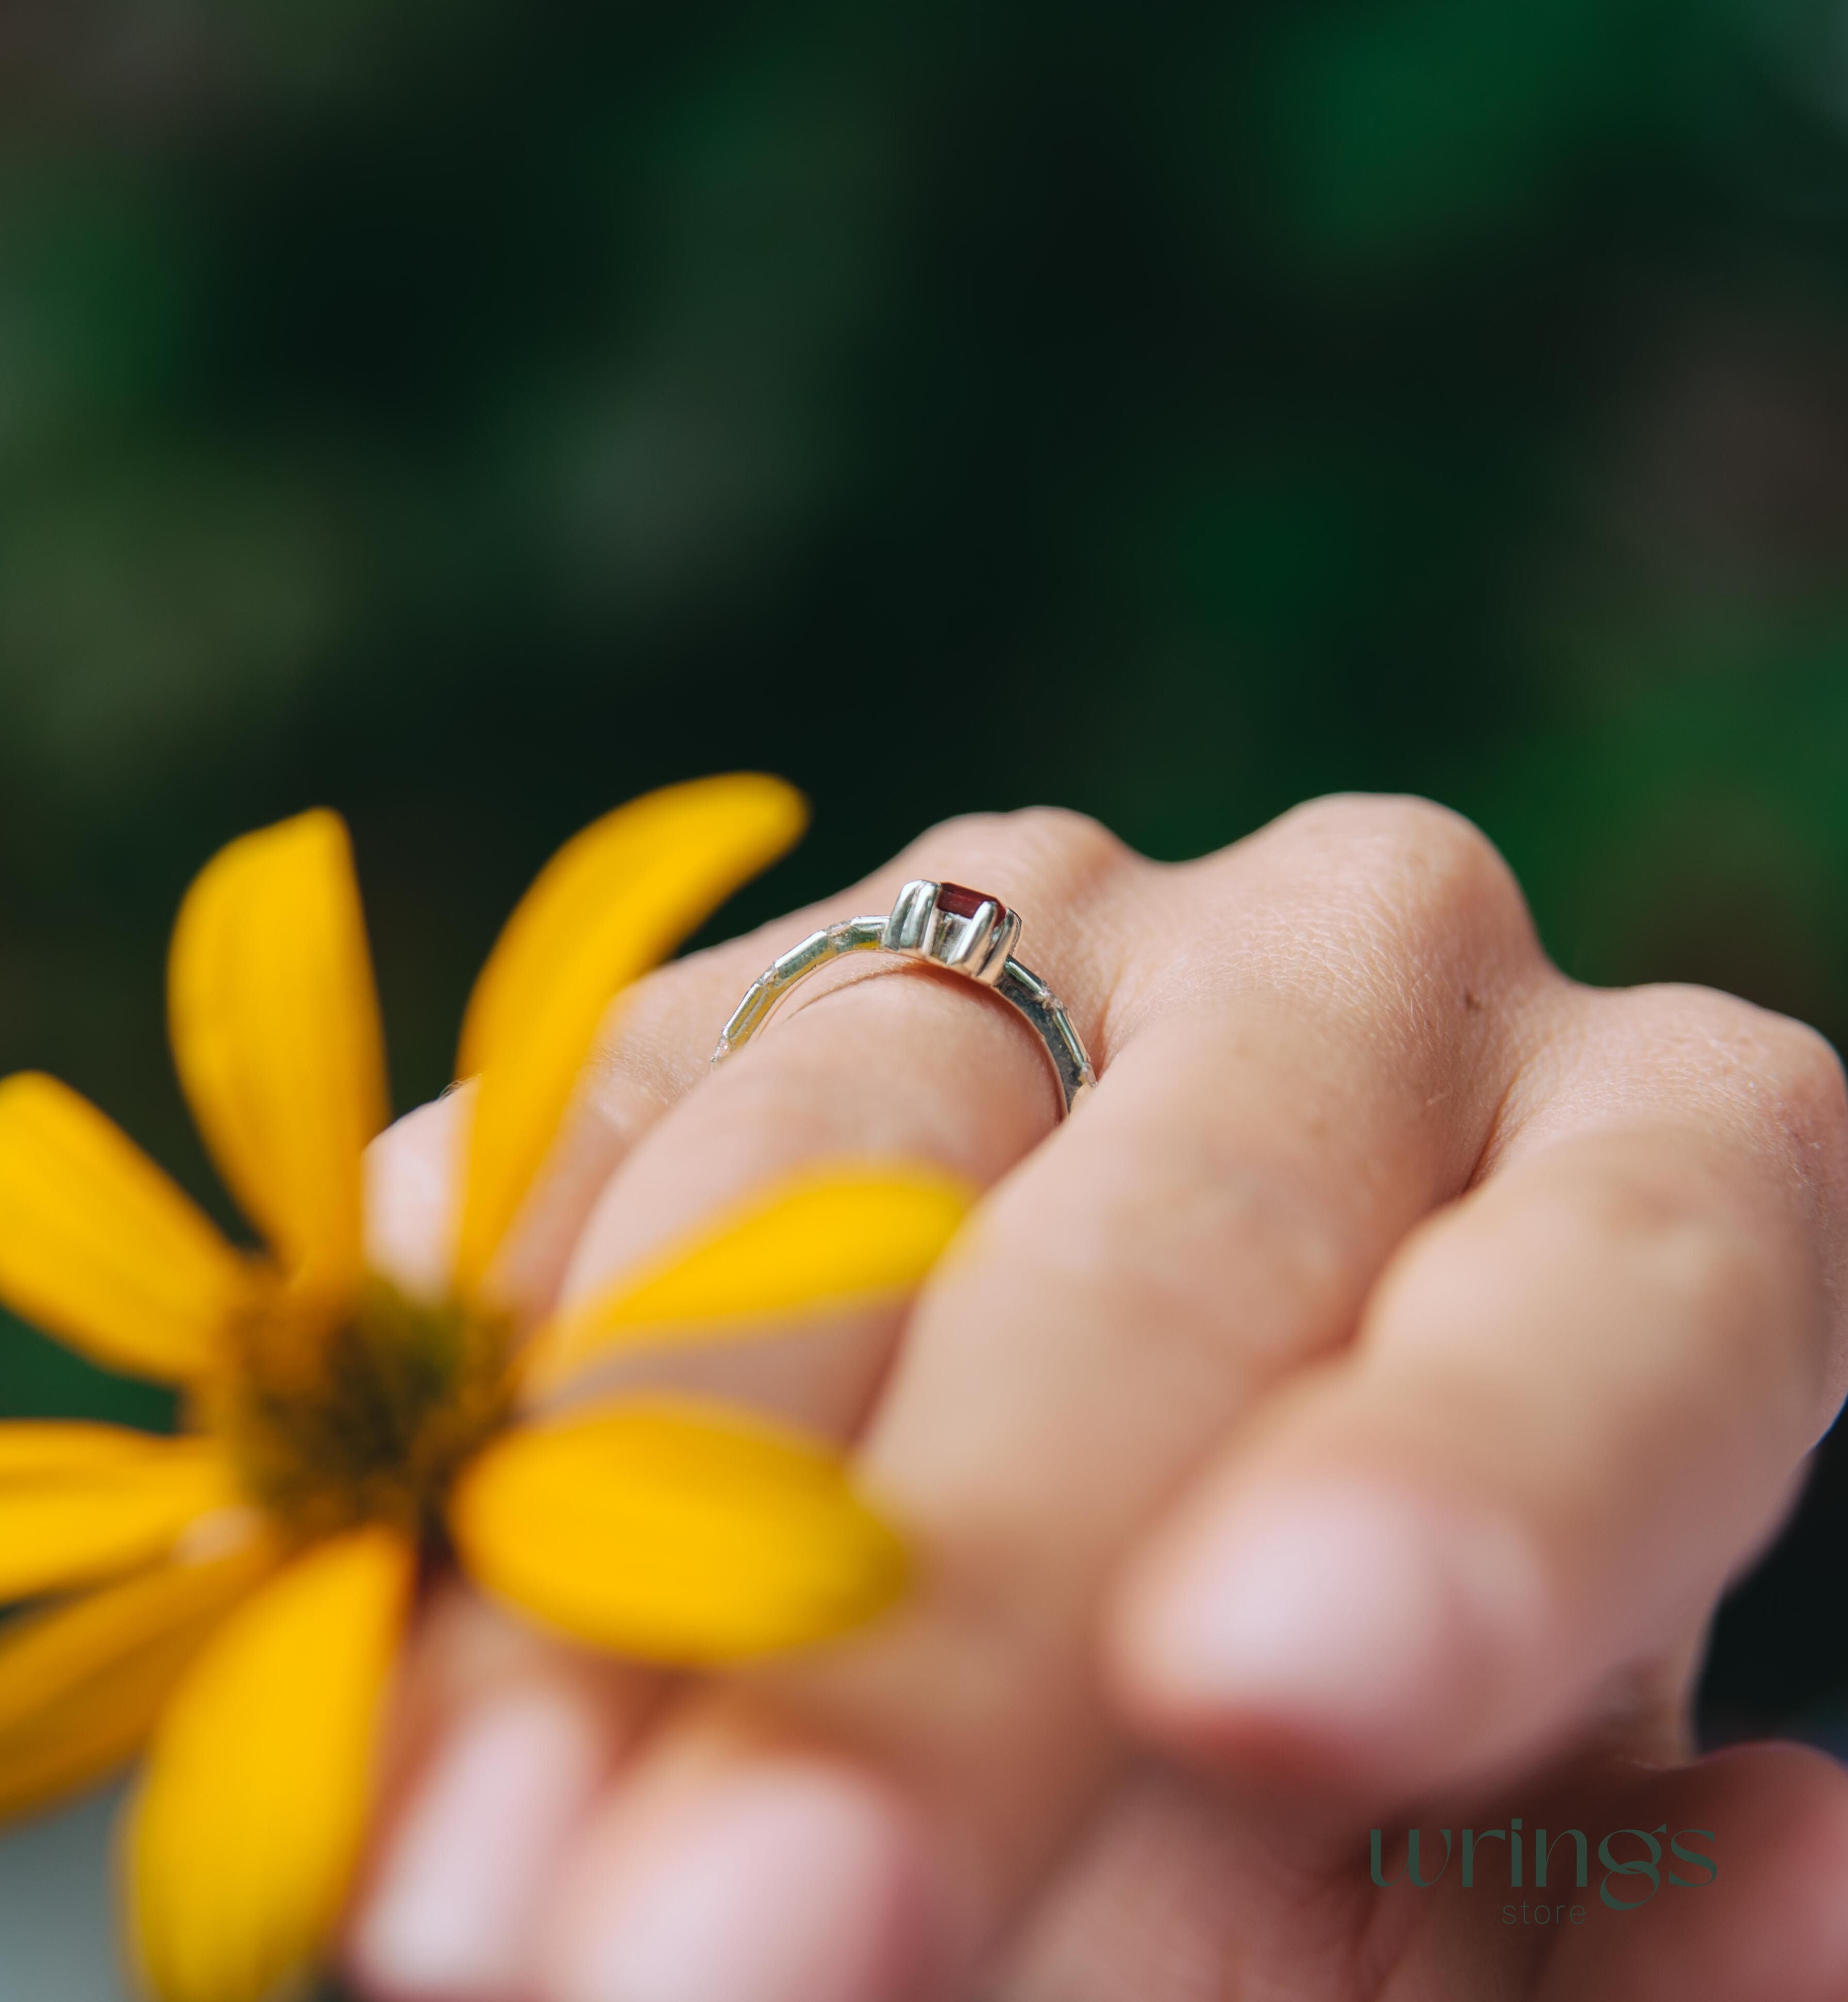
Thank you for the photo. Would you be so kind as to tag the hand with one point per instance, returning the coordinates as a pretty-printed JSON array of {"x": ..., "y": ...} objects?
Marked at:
[{"x": 1350, "y": 1417}]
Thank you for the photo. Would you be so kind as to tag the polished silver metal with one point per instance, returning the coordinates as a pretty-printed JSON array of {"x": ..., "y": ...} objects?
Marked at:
[{"x": 964, "y": 931}]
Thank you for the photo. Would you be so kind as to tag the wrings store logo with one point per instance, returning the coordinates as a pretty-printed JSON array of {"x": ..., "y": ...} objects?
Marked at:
[{"x": 1630, "y": 1880}]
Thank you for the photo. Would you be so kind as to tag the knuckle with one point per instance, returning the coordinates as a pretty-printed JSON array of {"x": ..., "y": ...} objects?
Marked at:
[
  {"x": 1807, "y": 1072},
  {"x": 1415, "y": 855},
  {"x": 1053, "y": 845},
  {"x": 1760, "y": 1098},
  {"x": 1693, "y": 1248},
  {"x": 1147, "y": 1259},
  {"x": 1780, "y": 1068},
  {"x": 1417, "y": 913},
  {"x": 1680, "y": 1242},
  {"x": 1647, "y": 1225}
]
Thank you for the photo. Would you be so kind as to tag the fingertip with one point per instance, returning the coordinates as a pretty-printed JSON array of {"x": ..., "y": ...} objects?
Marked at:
[
  {"x": 411, "y": 1184},
  {"x": 449, "y": 1907},
  {"x": 771, "y": 1878},
  {"x": 1345, "y": 1631}
]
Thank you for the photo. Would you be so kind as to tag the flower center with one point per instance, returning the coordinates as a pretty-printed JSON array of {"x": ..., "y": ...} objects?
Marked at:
[{"x": 335, "y": 1420}]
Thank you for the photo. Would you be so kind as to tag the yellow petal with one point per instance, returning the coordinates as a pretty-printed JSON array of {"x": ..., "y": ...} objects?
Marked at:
[
  {"x": 79, "y": 1502},
  {"x": 81, "y": 1685},
  {"x": 275, "y": 1029},
  {"x": 98, "y": 1246},
  {"x": 249, "y": 1821},
  {"x": 680, "y": 1531},
  {"x": 830, "y": 1238},
  {"x": 614, "y": 900}
]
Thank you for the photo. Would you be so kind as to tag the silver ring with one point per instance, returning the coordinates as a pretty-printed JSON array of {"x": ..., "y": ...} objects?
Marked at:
[{"x": 943, "y": 924}]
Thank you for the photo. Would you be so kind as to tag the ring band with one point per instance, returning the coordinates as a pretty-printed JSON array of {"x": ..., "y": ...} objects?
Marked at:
[{"x": 943, "y": 924}]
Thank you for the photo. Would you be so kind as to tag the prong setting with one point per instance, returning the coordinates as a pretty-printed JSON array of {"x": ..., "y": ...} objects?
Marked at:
[{"x": 965, "y": 931}]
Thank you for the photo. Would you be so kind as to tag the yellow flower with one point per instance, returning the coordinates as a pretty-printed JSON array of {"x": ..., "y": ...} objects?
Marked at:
[{"x": 250, "y": 1583}]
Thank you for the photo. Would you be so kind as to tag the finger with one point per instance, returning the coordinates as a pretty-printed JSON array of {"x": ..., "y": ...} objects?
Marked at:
[
  {"x": 1719, "y": 1880},
  {"x": 1275, "y": 1117},
  {"x": 1571, "y": 1413},
  {"x": 879, "y": 1058},
  {"x": 443, "y": 1904},
  {"x": 1607, "y": 1881},
  {"x": 500, "y": 1735},
  {"x": 1772, "y": 1820},
  {"x": 870, "y": 1061},
  {"x": 900, "y": 1064},
  {"x": 656, "y": 1045},
  {"x": 499, "y": 1740}
]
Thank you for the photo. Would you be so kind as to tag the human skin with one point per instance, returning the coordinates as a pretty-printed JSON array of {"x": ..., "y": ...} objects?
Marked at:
[{"x": 1348, "y": 1419}]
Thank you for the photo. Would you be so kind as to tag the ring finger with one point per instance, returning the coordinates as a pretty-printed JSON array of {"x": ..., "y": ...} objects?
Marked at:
[{"x": 920, "y": 1067}]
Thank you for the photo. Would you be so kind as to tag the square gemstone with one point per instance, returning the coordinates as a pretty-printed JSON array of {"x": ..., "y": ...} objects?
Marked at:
[{"x": 961, "y": 902}]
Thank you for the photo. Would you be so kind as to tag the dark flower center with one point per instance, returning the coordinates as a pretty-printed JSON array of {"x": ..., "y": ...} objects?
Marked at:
[{"x": 337, "y": 1420}]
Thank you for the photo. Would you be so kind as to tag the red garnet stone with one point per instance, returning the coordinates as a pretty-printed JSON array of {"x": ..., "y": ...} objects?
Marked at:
[{"x": 961, "y": 902}]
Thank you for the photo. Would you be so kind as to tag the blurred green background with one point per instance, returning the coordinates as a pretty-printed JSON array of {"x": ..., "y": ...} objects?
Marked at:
[{"x": 468, "y": 415}]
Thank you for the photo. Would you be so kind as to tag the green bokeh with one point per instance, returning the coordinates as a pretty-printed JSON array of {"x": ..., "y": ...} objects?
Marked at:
[{"x": 469, "y": 416}]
